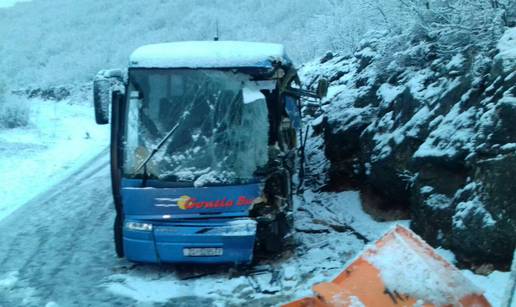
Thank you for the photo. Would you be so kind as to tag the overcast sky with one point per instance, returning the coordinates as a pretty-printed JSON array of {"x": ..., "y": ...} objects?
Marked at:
[{"x": 7, "y": 3}]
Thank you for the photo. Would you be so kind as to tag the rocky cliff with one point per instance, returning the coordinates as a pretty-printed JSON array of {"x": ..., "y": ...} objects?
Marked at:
[{"x": 430, "y": 131}]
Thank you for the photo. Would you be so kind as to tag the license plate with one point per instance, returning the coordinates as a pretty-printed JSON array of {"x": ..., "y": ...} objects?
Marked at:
[{"x": 202, "y": 251}]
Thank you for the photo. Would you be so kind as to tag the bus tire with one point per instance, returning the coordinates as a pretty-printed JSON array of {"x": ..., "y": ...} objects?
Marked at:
[
  {"x": 274, "y": 241},
  {"x": 118, "y": 236}
]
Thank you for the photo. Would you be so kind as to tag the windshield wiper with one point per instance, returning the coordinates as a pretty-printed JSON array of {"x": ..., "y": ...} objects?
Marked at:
[
  {"x": 155, "y": 150},
  {"x": 169, "y": 134}
]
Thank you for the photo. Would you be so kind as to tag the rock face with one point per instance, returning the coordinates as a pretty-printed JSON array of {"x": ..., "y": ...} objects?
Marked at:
[{"x": 432, "y": 132}]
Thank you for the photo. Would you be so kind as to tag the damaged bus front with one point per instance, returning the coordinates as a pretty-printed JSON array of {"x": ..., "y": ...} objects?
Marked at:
[{"x": 202, "y": 150}]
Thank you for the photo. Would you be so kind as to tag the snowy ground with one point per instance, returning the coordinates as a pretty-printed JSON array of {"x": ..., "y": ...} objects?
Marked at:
[{"x": 61, "y": 137}]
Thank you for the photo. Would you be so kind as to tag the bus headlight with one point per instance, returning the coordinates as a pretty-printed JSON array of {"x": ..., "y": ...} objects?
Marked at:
[{"x": 138, "y": 226}]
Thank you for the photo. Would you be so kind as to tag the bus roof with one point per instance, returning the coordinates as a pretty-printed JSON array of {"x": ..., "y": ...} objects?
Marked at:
[{"x": 208, "y": 54}]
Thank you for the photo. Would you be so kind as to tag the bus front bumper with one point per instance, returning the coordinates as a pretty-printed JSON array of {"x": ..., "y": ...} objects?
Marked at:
[{"x": 209, "y": 242}]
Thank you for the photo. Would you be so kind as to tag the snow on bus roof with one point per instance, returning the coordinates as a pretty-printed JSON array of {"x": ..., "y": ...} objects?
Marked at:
[{"x": 208, "y": 54}]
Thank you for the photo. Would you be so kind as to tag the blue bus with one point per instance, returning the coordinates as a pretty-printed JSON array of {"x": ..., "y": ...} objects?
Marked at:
[{"x": 203, "y": 149}]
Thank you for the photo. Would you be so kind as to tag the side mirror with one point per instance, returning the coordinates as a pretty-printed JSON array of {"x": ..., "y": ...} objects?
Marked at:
[
  {"x": 322, "y": 88},
  {"x": 102, "y": 100},
  {"x": 105, "y": 84},
  {"x": 114, "y": 73}
]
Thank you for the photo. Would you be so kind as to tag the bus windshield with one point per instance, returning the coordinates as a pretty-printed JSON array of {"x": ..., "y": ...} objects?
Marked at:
[{"x": 222, "y": 126}]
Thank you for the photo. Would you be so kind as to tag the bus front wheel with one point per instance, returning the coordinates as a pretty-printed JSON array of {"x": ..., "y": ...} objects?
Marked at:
[{"x": 118, "y": 236}]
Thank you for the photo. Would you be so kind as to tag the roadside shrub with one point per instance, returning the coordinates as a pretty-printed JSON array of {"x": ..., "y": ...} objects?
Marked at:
[
  {"x": 14, "y": 112},
  {"x": 456, "y": 24},
  {"x": 420, "y": 31}
]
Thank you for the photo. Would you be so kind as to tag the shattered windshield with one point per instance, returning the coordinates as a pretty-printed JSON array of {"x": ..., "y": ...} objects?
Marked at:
[{"x": 222, "y": 125}]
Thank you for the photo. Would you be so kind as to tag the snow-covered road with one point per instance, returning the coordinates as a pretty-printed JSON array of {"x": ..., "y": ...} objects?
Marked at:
[{"x": 57, "y": 248}]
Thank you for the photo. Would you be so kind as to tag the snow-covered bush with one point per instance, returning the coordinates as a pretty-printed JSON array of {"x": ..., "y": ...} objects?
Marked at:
[
  {"x": 455, "y": 24},
  {"x": 14, "y": 112},
  {"x": 418, "y": 31}
]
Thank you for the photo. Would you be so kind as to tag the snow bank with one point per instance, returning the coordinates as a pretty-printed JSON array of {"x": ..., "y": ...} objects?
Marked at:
[
  {"x": 60, "y": 138},
  {"x": 206, "y": 54}
]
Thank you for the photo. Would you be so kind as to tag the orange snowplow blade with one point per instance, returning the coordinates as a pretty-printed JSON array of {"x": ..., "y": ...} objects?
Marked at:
[{"x": 400, "y": 269}]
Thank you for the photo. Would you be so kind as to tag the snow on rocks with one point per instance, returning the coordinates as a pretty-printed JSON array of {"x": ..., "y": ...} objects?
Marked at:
[
  {"x": 389, "y": 92},
  {"x": 397, "y": 123},
  {"x": 453, "y": 136},
  {"x": 507, "y": 49},
  {"x": 465, "y": 209}
]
